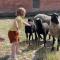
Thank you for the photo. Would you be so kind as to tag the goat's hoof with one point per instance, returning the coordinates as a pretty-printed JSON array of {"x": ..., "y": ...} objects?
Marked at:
[
  {"x": 57, "y": 49},
  {"x": 30, "y": 44},
  {"x": 44, "y": 45},
  {"x": 53, "y": 48}
]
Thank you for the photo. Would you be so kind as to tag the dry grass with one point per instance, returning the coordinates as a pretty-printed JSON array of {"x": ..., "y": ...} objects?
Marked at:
[{"x": 37, "y": 52}]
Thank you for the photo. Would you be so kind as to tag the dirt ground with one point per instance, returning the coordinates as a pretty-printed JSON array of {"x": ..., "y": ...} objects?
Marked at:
[{"x": 32, "y": 52}]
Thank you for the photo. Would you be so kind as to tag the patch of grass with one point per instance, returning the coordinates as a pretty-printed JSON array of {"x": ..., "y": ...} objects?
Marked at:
[{"x": 40, "y": 53}]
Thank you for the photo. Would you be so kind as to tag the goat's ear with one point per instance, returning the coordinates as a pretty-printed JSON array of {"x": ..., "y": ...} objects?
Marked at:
[
  {"x": 37, "y": 18},
  {"x": 57, "y": 16}
]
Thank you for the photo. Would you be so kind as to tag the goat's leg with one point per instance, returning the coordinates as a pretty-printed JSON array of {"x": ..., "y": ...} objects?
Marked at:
[
  {"x": 35, "y": 36},
  {"x": 58, "y": 44},
  {"x": 38, "y": 42},
  {"x": 32, "y": 36},
  {"x": 29, "y": 38},
  {"x": 53, "y": 43},
  {"x": 26, "y": 36},
  {"x": 39, "y": 36},
  {"x": 44, "y": 39},
  {"x": 49, "y": 36}
]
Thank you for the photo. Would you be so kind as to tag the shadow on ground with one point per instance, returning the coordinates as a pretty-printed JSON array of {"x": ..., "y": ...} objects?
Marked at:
[
  {"x": 40, "y": 54},
  {"x": 4, "y": 58},
  {"x": 1, "y": 39},
  {"x": 33, "y": 45},
  {"x": 43, "y": 53}
]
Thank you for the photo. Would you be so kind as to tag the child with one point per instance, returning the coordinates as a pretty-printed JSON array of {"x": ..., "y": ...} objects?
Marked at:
[{"x": 13, "y": 33}]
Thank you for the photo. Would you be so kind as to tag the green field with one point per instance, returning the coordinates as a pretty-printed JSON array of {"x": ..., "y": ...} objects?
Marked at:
[{"x": 28, "y": 52}]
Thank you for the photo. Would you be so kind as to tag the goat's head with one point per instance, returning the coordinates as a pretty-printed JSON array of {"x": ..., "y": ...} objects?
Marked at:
[
  {"x": 30, "y": 20},
  {"x": 38, "y": 22},
  {"x": 54, "y": 18}
]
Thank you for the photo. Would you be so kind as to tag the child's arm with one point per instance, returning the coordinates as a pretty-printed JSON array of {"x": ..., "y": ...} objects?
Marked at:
[
  {"x": 26, "y": 23},
  {"x": 16, "y": 24}
]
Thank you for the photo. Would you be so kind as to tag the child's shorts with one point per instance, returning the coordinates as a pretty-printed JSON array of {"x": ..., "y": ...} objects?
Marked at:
[{"x": 13, "y": 36}]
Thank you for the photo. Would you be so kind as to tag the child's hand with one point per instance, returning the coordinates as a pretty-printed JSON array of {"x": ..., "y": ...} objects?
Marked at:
[{"x": 29, "y": 24}]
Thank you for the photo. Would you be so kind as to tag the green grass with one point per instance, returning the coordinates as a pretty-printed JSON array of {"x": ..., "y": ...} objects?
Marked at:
[{"x": 38, "y": 52}]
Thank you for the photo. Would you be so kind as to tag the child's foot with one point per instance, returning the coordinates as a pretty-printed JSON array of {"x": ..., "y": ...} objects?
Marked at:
[
  {"x": 15, "y": 58},
  {"x": 20, "y": 51},
  {"x": 12, "y": 58}
]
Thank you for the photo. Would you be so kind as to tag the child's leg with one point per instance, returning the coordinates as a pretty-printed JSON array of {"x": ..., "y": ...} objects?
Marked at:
[
  {"x": 13, "y": 50},
  {"x": 17, "y": 47}
]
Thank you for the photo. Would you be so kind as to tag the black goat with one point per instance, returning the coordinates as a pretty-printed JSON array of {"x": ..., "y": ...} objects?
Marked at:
[
  {"x": 29, "y": 30},
  {"x": 41, "y": 28},
  {"x": 44, "y": 18}
]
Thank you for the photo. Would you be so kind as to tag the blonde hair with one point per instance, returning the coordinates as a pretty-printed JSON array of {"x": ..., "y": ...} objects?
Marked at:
[{"x": 21, "y": 11}]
